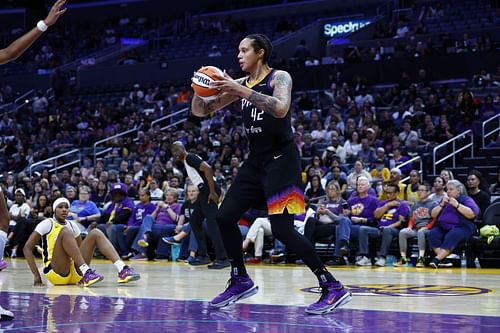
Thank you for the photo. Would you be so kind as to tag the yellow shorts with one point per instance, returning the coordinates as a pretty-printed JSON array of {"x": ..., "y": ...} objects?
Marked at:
[{"x": 72, "y": 278}]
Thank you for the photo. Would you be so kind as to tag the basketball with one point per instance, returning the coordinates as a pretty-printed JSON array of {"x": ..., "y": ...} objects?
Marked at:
[{"x": 201, "y": 81}]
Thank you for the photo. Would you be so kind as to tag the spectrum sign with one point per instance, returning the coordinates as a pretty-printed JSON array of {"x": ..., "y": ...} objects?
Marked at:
[{"x": 331, "y": 30}]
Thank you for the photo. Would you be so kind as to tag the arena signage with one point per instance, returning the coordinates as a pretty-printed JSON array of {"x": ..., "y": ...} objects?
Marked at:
[{"x": 342, "y": 28}]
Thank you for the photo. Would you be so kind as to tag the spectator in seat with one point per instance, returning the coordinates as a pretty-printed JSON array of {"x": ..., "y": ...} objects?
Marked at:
[
  {"x": 315, "y": 190},
  {"x": 162, "y": 222},
  {"x": 395, "y": 178},
  {"x": 438, "y": 189},
  {"x": 20, "y": 222},
  {"x": 446, "y": 175},
  {"x": 330, "y": 219},
  {"x": 84, "y": 211},
  {"x": 391, "y": 215},
  {"x": 362, "y": 207},
  {"x": 475, "y": 190},
  {"x": 155, "y": 190},
  {"x": 358, "y": 171},
  {"x": 495, "y": 187},
  {"x": 260, "y": 228},
  {"x": 455, "y": 217},
  {"x": 419, "y": 225},
  {"x": 411, "y": 192},
  {"x": 367, "y": 153},
  {"x": 125, "y": 234},
  {"x": 117, "y": 212}
]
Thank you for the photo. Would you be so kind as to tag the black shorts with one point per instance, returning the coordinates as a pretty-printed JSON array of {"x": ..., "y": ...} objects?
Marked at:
[{"x": 272, "y": 181}]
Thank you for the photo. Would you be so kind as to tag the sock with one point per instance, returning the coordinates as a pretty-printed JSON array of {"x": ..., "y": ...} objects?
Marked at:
[
  {"x": 3, "y": 241},
  {"x": 238, "y": 270},
  {"x": 84, "y": 268},
  {"x": 323, "y": 275},
  {"x": 119, "y": 264}
]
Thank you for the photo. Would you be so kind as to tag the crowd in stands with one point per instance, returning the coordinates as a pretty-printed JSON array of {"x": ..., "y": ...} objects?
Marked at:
[{"x": 352, "y": 140}]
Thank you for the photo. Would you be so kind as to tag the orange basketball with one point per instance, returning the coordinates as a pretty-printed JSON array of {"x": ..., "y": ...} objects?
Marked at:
[{"x": 201, "y": 81}]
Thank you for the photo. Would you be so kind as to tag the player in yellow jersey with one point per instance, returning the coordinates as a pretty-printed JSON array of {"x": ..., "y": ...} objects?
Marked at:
[{"x": 66, "y": 256}]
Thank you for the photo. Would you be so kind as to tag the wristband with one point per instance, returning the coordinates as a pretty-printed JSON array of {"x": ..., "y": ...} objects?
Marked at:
[{"x": 42, "y": 26}]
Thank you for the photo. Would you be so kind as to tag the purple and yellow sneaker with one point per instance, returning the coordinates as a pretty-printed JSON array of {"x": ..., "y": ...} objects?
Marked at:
[
  {"x": 127, "y": 274},
  {"x": 91, "y": 277},
  {"x": 238, "y": 287},
  {"x": 333, "y": 295}
]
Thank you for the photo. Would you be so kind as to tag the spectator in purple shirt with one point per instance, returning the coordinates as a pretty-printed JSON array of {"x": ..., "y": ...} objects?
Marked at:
[
  {"x": 362, "y": 208},
  {"x": 391, "y": 214},
  {"x": 160, "y": 223},
  {"x": 116, "y": 213},
  {"x": 125, "y": 234},
  {"x": 455, "y": 217}
]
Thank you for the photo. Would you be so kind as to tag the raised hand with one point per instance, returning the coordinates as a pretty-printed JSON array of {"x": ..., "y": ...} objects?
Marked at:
[{"x": 55, "y": 12}]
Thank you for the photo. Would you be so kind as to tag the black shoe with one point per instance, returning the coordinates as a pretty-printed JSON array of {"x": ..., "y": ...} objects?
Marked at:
[
  {"x": 344, "y": 250},
  {"x": 336, "y": 261},
  {"x": 219, "y": 264},
  {"x": 277, "y": 256},
  {"x": 200, "y": 261},
  {"x": 435, "y": 263}
]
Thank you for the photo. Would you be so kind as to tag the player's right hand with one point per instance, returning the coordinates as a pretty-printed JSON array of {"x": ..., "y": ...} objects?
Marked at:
[{"x": 38, "y": 283}]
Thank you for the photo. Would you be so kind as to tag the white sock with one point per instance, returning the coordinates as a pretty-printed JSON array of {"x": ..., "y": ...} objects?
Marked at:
[
  {"x": 119, "y": 264},
  {"x": 84, "y": 268},
  {"x": 3, "y": 241}
]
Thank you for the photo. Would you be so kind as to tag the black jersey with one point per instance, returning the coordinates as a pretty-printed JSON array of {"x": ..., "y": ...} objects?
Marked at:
[{"x": 265, "y": 133}]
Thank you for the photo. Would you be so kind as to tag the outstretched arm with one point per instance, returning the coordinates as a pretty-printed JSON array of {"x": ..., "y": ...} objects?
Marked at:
[{"x": 14, "y": 50}]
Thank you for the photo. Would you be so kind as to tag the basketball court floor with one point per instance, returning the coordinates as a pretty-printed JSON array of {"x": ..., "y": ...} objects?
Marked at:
[{"x": 173, "y": 297}]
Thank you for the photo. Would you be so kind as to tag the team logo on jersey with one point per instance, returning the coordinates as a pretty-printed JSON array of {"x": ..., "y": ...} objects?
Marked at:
[
  {"x": 409, "y": 290},
  {"x": 357, "y": 209}
]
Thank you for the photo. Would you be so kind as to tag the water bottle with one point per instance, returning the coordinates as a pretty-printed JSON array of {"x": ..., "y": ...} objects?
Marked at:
[{"x": 463, "y": 260}]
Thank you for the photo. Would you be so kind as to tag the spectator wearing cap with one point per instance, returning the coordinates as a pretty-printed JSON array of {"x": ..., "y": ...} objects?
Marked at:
[
  {"x": 372, "y": 138},
  {"x": 118, "y": 211},
  {"x": 19, "y": 213},
  {"x": 83, "y": 210}
]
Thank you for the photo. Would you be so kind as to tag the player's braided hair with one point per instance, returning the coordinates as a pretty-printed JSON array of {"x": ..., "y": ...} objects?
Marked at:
[{"x": 259, "y": 42}]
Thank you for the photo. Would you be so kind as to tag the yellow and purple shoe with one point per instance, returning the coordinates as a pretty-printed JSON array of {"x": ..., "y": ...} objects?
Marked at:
[
  {"x": 127, "y": 274},
  {"x": 91, "y": 277}
]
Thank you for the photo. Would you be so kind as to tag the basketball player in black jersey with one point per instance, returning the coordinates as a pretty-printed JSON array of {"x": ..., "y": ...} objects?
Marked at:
[
  {"x": 8, "y": 54},
  {"x": 270, "y": 177}
]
